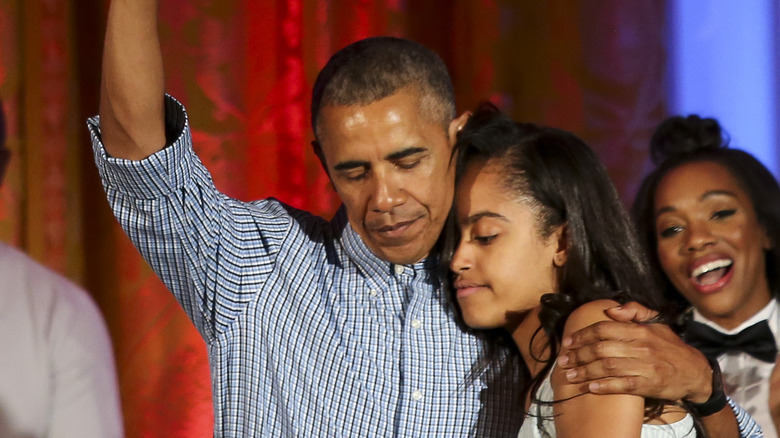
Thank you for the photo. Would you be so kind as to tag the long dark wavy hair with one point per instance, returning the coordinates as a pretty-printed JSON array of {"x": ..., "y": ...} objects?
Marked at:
[
  {"x": 681, "y": 140},
  {"x": 567, "y": 185}
]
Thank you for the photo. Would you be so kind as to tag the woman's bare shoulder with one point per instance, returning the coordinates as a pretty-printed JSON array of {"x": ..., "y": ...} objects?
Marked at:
[{"x": 588, "y": 314}]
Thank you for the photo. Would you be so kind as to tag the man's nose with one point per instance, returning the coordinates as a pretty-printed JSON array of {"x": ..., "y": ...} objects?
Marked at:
[{"x": 388, "y": 194}]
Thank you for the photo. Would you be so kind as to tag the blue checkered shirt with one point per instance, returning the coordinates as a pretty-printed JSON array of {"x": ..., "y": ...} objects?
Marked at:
[
  {"x": 748, "y": 428},
  {"x": 308, "y": 332}
]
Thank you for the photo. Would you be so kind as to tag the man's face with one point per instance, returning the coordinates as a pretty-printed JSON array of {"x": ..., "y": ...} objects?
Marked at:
[{"x": 391, "y": 167}]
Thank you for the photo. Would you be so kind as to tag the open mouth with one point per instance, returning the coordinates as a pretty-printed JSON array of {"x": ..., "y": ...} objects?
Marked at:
[{"x": 711, "y": 272}]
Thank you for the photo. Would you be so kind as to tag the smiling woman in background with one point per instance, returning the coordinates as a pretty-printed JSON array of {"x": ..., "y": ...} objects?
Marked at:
[{"x": 709, "y": 217}]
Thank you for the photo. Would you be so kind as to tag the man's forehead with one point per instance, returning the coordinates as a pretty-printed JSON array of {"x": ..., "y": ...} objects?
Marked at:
[{"x": 353, "y": 120}]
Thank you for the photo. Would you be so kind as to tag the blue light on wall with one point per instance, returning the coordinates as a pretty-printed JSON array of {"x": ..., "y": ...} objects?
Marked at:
[{"x": 722, "y": 63}]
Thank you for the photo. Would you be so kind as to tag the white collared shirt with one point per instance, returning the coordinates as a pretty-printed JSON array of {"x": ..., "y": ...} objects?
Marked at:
[{"x": 745, "y": 378}]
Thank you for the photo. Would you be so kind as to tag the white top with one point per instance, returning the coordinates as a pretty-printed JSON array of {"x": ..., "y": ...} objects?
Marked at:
[
  {"x": 745, "y": 378},
  {"x": 540, "y": 423},
  {"x": 57, "y": 374}
]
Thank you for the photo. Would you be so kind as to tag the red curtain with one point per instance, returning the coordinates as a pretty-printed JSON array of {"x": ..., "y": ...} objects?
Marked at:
[{"x": 245, "y": 70}]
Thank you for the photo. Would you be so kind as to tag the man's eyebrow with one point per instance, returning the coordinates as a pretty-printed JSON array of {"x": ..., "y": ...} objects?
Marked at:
[
  {"x": 395, "y": 156},
  {"x": 349, "y": 165},
  {"x": 403, "y": 153}
]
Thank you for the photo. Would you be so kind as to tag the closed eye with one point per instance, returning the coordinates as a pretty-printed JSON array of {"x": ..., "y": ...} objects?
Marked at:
[
  {"x": 485, "y": 240},
  {"x": 355, "y": 175},
  {"x": 408, "y": 165},
  {"x": 408, "y": 158},
  {"x": 352, "y": 171},
  {"x": 723, "y": 214}
]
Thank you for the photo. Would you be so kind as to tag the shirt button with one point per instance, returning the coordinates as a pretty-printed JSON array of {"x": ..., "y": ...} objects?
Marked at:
[
  {"x": 416, "y": 323},
  {"x": 416, "y": 395},
  {"x": 373, "y": 292},
  {"x": 399, "y": 269}
]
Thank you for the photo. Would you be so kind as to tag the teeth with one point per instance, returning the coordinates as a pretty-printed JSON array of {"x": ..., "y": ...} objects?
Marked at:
[{"x": 711, "y": 266}]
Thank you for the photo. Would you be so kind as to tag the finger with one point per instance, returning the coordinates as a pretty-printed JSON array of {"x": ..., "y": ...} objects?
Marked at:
[
  {"x": 631, "y": 312},
  {"x": 619, "y": 385},
  {"x": 636, "y": 385},
  {"x": 606, "y": 368},
  {"x": 604, "y": 330},
  {"x": 601, "y": 350}
]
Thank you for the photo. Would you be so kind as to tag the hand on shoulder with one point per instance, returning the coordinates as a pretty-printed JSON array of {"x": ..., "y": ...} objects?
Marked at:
[{"x": 631, "y": 356}]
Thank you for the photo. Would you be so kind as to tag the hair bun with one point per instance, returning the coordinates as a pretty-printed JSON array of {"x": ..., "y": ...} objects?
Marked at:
[{"x": 679, "y": 135}]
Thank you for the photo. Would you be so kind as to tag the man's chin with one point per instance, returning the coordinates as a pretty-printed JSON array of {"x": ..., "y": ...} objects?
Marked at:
[
  {"x": 401, "y": 247},
  {"x": 403, "y": 258},
  {"x": 405, "y": 254}
]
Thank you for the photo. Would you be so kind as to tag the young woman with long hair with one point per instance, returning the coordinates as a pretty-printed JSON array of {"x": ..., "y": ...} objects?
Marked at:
[{"x": 538, "y": 246}]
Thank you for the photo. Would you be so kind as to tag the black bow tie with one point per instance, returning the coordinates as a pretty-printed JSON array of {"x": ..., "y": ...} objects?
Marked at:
[{"x": 756, "y": 340}]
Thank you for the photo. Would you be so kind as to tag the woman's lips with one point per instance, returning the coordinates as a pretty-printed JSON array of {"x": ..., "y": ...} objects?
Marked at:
[
  {"x": 465, "y": 288},
  {"x": 710, "y": 274},
  {"x": 704, "y": 268},
  {"x": 467, "y": 291}
]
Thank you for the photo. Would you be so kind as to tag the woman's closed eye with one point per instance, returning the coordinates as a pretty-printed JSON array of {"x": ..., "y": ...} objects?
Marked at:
[
  {"x": 723, "y": 214},
  {"x": 485, "y": 240}
]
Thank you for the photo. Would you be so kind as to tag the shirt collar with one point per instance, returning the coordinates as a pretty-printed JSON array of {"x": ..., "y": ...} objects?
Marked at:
[{"x": 769, "y": 313}]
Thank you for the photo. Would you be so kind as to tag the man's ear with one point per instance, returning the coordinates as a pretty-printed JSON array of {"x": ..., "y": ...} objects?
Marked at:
[
  {"x": 317, "y": 148},
  {"x": 5, "y": 157},
  {"x": 562, "y": 246},
  {"x": 456, "y": 125}
]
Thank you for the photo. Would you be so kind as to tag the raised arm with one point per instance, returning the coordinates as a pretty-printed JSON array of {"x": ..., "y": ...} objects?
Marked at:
[{"x": 131, "y": 93}]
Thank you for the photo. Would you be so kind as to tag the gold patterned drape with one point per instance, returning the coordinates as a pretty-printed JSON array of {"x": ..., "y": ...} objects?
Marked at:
[{"x": 245, "y": 69}]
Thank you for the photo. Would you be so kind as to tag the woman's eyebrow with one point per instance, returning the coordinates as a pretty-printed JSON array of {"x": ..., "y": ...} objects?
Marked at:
[{"x": 477, "y": 216}]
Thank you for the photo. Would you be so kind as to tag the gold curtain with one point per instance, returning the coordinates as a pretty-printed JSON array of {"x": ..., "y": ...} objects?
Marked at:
[{"x": 245, "y": 70}]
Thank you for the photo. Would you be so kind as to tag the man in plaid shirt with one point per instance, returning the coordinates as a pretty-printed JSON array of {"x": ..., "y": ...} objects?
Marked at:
[{"x": 314, "y": 327}]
